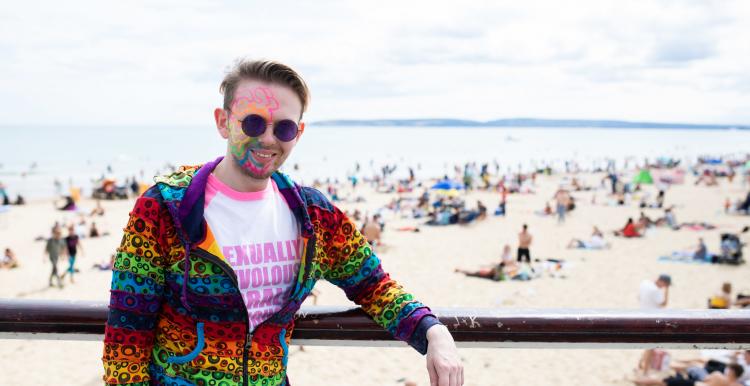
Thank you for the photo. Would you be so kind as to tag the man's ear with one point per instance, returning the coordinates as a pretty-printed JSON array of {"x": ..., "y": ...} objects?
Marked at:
[
  {"x": 301, "y": 130},
  {"x": 220, "y": 116}
]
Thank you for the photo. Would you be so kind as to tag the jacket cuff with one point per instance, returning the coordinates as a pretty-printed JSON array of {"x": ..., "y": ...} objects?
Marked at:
[{"x": 418, "y": 338}]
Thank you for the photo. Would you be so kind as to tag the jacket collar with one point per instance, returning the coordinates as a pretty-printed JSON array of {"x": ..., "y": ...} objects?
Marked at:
[{"x": 185, "y": 189}]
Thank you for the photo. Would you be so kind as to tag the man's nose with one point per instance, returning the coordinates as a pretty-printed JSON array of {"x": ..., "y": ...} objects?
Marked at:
[{"x": 267, "y": 138}]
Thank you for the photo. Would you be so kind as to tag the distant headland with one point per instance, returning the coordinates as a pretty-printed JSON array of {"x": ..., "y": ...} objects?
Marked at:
[{"x": 527, "y": 122}]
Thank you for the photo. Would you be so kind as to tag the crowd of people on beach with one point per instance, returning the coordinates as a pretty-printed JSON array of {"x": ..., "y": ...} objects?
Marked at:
[{"x": 443, "y": 203}]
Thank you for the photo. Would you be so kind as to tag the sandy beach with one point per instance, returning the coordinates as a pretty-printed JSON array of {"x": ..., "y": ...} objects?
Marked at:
[{"x": 424, "y": 263}]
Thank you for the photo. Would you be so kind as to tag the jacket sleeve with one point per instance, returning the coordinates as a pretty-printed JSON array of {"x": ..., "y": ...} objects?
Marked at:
[
  {"x": 350, "y": 264},
  {"x": 135, "y": 295}
]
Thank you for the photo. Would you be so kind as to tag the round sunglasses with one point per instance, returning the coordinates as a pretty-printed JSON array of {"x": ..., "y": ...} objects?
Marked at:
[{"x": 255, "y": 125}]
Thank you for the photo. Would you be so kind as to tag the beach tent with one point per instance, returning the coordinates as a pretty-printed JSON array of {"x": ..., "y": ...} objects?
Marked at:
[{"x": 643, "y": 177}]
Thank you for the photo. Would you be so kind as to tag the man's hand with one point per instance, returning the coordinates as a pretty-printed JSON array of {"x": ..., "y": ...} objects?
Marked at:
[{"x": 443, "y": 364}]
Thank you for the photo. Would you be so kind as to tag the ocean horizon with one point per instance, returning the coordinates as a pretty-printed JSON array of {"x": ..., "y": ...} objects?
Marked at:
[{"x": 34, "y": 156}]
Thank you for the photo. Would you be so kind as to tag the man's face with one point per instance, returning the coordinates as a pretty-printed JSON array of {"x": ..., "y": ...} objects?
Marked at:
[{"x": 258, "y": 157}]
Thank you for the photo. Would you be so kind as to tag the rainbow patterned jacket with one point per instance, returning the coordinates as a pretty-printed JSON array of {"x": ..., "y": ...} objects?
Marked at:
[{"x": 176, "y": 316}]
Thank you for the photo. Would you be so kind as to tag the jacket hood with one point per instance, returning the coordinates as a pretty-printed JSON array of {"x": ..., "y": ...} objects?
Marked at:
[
  {"x": 183, "y": 192},
  {"x": 184, "y": 195}
]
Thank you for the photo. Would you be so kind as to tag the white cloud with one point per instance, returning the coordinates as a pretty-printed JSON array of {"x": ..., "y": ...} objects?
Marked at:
[{"x": 82, "y": 62}]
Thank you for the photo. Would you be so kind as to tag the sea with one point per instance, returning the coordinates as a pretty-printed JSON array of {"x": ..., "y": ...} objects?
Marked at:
[{"x": 32, "y": 158}]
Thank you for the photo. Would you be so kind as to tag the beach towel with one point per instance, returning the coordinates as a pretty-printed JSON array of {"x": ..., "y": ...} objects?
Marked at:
[{"x": 681, "y": 259}]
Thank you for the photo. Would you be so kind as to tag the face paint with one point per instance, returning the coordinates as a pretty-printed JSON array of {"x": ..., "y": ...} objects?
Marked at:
[{"x": 250, "y": 154}]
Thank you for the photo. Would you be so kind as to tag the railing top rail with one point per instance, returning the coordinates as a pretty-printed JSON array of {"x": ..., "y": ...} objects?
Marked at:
[{"x": 472, "y": 327}]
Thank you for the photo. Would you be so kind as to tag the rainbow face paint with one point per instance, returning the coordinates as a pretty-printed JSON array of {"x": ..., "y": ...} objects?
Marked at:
[{"x": 259, "y": 156}]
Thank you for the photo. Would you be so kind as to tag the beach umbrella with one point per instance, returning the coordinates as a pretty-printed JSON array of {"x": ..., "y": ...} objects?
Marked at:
[
  {"x": 447, "y": 185},
  {"x": 447, "y": 192},
  {"x": 643, "y": 177}
]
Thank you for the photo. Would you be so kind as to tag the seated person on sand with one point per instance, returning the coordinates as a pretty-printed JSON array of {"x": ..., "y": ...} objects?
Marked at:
[
  {"x": 708, "y": 177},
  {"x": 68, "y": 205},
  {"x": 482, "y": 209},
  {"x": 730, "y": 377},
  {"x": 468, "y": 216},
  {"x": 697, "y": 253},
  {"x": 629, "y": 230},
  {"x": 644, "y": 222},
  {"x": 371, "y": 230},
  {"x": 9, "y": 259},
  {"x": 94, "y": 231},
  {"x": 596, "y": 241},
  {"x": 620, "y": 198},
  {"x": 577, "y": 186},
  {"x": 547, "y": 211},
  {"x": 722, "y": 300},
  {"x": 668, "y": 219},
  {"x": 102, "y": 266},
  {"x": 98, "y": 211}
]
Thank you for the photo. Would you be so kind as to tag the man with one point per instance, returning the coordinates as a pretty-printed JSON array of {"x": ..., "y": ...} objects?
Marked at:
[
  {"x": 562, "y": 199},
  {"x": 654, "y": 294},
  {"x": 55, "y": 248},
  {"x": 216, "y": 259},
  {"x": 524, "y": 241}
]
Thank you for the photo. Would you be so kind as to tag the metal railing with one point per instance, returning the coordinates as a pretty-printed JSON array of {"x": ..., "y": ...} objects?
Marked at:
[{"x": 470, "y": 327}]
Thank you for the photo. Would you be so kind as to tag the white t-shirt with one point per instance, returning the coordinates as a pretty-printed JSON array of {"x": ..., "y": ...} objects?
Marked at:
[
  {"x": 650, "y": 296},
  {"x": 597, "y": 242},
  {"x": 259, "y": 237}
]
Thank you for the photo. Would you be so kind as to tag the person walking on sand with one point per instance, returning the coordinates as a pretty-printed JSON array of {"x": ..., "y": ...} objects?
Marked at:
[
  {"x": 216, "y": 259},
  {"x": 562, "y": 200},
  {"x": 73, "y": 245},
  {"x": 524, "y": 242},
  {"x": 54, "y": 249}
]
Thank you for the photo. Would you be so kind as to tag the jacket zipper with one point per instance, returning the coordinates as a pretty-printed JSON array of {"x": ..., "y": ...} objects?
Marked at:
[
  {"x": 233, "y": 276},
  {"x": 230, "y": 272}
]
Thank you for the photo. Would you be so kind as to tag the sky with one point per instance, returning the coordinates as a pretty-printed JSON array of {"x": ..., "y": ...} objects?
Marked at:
[{"x": 160, "y": 62}]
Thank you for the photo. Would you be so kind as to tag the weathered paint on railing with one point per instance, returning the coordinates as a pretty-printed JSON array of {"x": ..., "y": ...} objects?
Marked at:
[{"x": 470, "y": 327}]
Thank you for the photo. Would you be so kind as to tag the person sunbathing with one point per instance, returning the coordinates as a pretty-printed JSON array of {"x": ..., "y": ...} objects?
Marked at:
[
  {"x": 507, "y": 269},
  {"x": 730, "y": 377},
  {"x": 494, "y": 273},
  {"x": 596, "y": 242}
]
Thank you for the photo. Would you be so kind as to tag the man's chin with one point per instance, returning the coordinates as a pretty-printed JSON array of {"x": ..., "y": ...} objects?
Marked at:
[
  {"x": 247, "y": 171},
  {"x": 258, "y": 175}
]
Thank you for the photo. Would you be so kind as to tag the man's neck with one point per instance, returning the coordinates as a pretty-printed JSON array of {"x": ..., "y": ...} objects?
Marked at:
[{"x": 230, "y": 174}]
